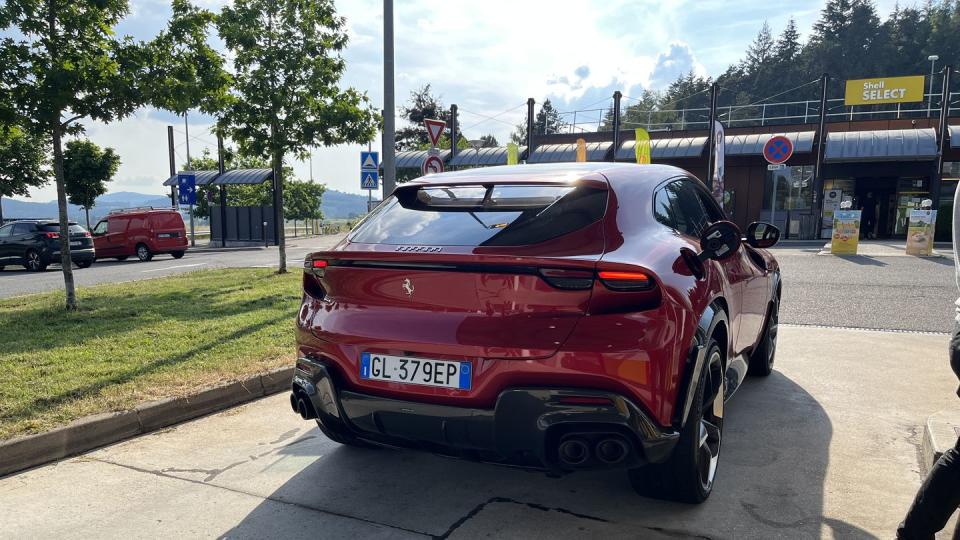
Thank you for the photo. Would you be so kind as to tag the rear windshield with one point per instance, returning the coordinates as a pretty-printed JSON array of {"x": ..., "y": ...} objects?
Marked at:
[
  {"x": 55, "y": 227},
  {"x": 481, "y": 216}
]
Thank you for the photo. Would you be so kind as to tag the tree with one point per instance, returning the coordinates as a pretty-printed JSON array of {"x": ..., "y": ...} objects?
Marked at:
[
  {"x": 489, "y": 141},
  {"x": 304, "y": 200},
  {"x": 86, "y": 170},
  {"x": 287, "y": 97},
  {"x": 422, "y": 105},
  {"x": 23, "y": 163},
  {"x": 70, "y": 65},
  {"x": 548, "y": 120}
]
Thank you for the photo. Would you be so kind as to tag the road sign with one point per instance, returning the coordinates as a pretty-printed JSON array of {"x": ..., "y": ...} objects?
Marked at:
[
  {"x": 369, "y": 161},
  {"x": 369, "y": 180},
  {"x": 778, "y": 149},
  {"x": 432, "y": 164},
  {"x": 434, "y": 129},
  {"x": 187, "y": 189}
]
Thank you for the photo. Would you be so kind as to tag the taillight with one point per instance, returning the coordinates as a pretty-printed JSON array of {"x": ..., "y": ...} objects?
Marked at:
[
  {"x": 319, "y": 263},
  {"x": 567, "y": 279},
  {"x": 53, "y": 235},
  {"x": 87, "y": 234},
  {"x": 625, "y": 281}
]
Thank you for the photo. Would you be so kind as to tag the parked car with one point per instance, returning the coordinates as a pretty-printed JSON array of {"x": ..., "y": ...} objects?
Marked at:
[
  {"x": 35, "y": 244},
  {"x": 143, "y": 232},
  {"x": 561, "y": 317}
]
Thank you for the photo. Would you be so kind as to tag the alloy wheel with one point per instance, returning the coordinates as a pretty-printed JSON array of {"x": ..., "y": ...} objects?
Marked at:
[
  {"x": 711, "y": 424},
  {"x": 33, "y": 261},
  {"x": 772, "y": 327}
]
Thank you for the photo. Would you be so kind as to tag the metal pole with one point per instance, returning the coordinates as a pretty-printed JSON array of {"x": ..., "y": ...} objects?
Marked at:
[
  {"x": 933, "y": 63},
  {"x": 389, "y": 109},
  {"x": 174, "y": 200},
  {"x": 944, "y": 114},
  {"x": 530, "y": 103},
  {"x": 222, "y": 167},
  {"x": 186, "y": 130},
  {"x": 453, "y": 131},
  {"x": 773, "y": 200},
  {"x": 818, "y": 167},
  {"x": 714, "y": 91},
  {"x": 616, "y": 123}
]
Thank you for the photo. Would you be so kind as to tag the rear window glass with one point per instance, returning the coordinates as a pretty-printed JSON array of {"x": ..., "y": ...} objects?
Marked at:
[
  {"x": 481, "y": 216},
  {"x": 55, "y": 227}
]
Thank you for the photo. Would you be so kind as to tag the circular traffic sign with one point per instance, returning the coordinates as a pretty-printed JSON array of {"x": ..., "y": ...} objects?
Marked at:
[
  {"x": 778, "y": 149},
  {"x": 432, "y": 164}
]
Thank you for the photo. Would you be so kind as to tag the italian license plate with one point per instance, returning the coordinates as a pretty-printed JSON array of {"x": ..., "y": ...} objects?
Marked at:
[{"x": 422, "y": 371}]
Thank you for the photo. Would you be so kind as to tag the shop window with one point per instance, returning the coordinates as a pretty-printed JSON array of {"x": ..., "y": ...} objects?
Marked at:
[
  {"x": 948, "y": 190},
  {"x": 794, "y": 187}
]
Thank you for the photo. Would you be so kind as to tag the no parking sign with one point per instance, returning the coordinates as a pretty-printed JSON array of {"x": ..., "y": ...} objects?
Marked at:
[{"x": 778, "y": 149}]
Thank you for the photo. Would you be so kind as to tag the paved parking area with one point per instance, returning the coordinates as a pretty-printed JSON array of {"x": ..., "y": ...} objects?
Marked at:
[{"x": 828, "y": 446}]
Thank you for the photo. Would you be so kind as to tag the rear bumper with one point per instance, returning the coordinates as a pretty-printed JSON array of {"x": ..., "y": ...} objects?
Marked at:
[
  {"x": 525, "y": 428},
  {"x": 76, "y": 255}
]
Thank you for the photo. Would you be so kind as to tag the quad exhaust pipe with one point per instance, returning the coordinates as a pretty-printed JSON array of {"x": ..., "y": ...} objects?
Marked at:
[
  {"x": 302, "y": 406},
  {"x": 577, "y": 451}
]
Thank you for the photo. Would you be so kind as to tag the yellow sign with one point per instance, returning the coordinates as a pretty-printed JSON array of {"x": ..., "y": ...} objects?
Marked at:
[
  {"x": 920, "y": 232},
  {"x": 642, "y": 146},
  {"x": 513, "y": 154},
  {"x": 846, "y": 232},
  {"x": 581, "y": 150},
  {"x": 884, "y": 90}
]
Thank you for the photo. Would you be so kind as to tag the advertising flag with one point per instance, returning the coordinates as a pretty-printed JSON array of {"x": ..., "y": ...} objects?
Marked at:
[
  {"x": 581, "y": 150},
  {"x": 719, "y": 148},
  {"x": 642, "y": 146},
  {"x": 513, "y": 154}
]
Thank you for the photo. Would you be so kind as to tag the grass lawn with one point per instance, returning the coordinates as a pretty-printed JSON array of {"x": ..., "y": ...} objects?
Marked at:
[{"x": 139, "y": 341}]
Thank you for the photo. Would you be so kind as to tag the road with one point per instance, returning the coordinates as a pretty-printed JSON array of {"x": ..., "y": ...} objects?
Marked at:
[
  {"x": 813, "y": 451},
  {"x": 16, "y": 281}
]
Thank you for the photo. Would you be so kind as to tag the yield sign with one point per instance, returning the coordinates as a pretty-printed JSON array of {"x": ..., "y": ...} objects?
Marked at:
[{"x": 434, "y": 129}]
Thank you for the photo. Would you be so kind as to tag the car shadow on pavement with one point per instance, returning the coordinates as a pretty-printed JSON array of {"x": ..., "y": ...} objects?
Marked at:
[
  {"x": 862, "y": 260},
  {"x": 770, "y": 484}
]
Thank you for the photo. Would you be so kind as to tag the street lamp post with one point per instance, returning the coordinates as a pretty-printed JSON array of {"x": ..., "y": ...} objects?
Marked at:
[{"x": 933, "y": 61}]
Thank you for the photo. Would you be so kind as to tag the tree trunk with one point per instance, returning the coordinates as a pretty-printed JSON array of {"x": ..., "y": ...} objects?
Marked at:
[
  {"x": 87, "y": 211},
  {"x": 278, "y": 210},
  {"x": 1, "y": 209},
  {"x": 65, "y": 260}
]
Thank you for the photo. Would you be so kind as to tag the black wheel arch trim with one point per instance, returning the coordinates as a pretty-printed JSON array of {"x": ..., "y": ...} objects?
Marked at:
[{"x": 712, "y": 316}]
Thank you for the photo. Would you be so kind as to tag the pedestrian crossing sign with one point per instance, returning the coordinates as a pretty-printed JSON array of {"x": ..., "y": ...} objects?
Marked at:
[{"x": 369, "y": 180}]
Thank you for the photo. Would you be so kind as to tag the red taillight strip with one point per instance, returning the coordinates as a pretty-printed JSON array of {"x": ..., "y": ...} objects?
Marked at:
[
  {"x": 625, "y": 281},
  {"x": 319, "y": 263}
]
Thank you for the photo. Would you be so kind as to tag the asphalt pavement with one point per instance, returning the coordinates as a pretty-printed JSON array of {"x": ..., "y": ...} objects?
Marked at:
[
  {"x": 826, "y": 447},
  {"x": 16, "y": 281}
]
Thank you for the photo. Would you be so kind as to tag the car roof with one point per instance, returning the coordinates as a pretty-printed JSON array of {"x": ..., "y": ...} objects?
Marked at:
[
  {"x": 554, "y": 172},
  {"x": 39, "y": 222}
]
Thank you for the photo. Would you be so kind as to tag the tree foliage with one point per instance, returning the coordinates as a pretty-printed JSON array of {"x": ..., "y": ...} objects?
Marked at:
[
  {"x": 86, "y": 170},
  {"x": 422, "y": 105},
  {"x": 286, "y": 92},
  {"x": 23, "y": 163}
]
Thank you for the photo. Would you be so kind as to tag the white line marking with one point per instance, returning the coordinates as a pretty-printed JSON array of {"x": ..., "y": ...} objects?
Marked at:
[{"x": 172, "y": 267}]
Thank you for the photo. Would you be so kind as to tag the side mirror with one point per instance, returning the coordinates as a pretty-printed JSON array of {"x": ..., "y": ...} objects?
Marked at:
[
  {"x": 762, "y": 235},
  {"x": 719, "y": 241}
]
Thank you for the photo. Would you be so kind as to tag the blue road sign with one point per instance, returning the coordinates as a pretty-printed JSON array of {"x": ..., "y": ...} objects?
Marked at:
[
  {"x": 369, "y": 161},
  {"x": 187, "y": 189},
  {"x": 369, "y": 180}
]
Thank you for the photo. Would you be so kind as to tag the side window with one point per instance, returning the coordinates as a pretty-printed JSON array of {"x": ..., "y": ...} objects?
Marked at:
[
  {"x": 117, "y": 225},
  {"x": 6, "y": 231},
  {"x": 690, "y": 208},
  {"x": 663, "y": 208},
  {"x": 23, "y": 228},
  {"x": 714, "y": 213},
  {"x": 101, "y": 228}
]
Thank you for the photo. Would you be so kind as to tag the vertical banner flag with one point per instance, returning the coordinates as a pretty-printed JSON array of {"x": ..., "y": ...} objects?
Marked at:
[
  {"x": 641, "y": 146},
  {"x": 920, "y": 232},
  {"x": 581, "y": 150},
  {"x": 513, "y": 154},
  {"x": 718, "y": 152},
  {"x": 846, "y": 232}
]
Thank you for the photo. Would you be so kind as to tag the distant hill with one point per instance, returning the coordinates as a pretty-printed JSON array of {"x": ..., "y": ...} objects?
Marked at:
[{"x": 335, "y": 205}]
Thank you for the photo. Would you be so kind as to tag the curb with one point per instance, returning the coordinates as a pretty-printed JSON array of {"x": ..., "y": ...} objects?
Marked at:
[
  {"x": 99, "y": 430},
  {"x": 940, "y": 433}
]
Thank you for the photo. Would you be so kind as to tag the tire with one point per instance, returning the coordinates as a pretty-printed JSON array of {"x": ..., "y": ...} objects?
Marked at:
[
  {"x": 144, "y": 253},
  {"x": 343, "y": 438},
  {"x": 1, "y": 268},
  {"x": 121, "y": 258},
  {"x": 762, "y": 358},
  {"x": 34, "y": 262},
  {"x": 84, "y": 264},
  {"x": 177, "y": 254},
  {"x": 688, "y": 475}
]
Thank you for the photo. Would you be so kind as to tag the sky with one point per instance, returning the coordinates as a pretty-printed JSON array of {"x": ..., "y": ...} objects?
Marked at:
[{"x": 487, "y": 57}]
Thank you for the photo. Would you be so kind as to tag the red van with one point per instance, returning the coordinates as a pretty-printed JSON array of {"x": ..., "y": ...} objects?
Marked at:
[{"x": 143, "y": 232}]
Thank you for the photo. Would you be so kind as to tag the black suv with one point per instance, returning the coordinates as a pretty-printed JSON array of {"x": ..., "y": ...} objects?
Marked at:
[{"x": 35, "y": 244}]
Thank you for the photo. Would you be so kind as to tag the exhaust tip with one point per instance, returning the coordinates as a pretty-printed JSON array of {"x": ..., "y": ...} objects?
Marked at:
[
  {"x": 611, "y": 451},
  {"x": 573, "y": 451},
  {"x": 304, "y": 409}
]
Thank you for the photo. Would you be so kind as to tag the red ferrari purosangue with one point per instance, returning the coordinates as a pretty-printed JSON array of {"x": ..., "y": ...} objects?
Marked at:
[{"x": 561, "y": 317}]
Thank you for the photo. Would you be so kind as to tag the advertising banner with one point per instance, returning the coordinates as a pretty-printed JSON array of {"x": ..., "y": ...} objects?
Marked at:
[
  {"x": 884, "y": 90},
  {"x": 920, "y": 232},
  {"x": 513, "y": 154},
  {"x": 718, "y": 153},
  {"x": 642, "y": 146},
  {"x": 846, "y": 232},
  {"x": 581, "y": 150}
]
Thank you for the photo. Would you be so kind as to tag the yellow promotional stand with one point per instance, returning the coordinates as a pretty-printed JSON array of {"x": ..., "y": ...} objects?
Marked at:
[
  {"x": 920, "y": 232},
  {"x": 846, "y": 232}
]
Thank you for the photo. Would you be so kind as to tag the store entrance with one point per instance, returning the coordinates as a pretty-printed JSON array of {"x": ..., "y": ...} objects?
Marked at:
[{"x": 876, "y": 198}]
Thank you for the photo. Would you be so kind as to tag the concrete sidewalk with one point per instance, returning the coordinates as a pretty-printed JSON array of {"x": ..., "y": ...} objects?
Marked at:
[{"x": 828, "y": 446}]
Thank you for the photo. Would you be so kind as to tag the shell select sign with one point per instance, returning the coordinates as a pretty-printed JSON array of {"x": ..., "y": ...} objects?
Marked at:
[{"x": 884, "y": 90}]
